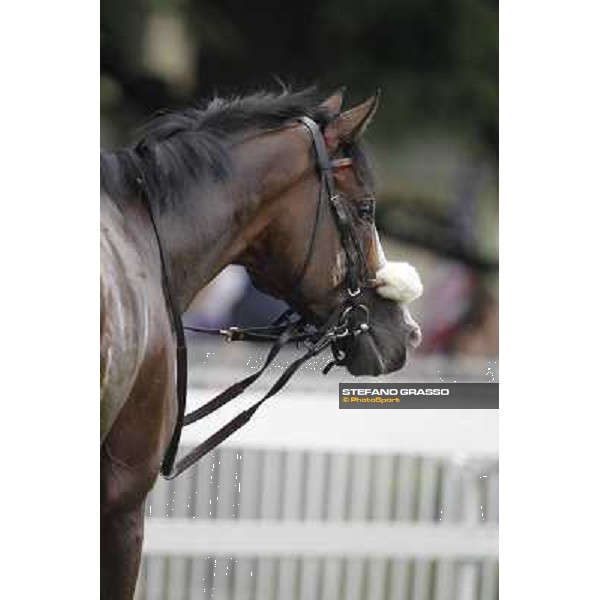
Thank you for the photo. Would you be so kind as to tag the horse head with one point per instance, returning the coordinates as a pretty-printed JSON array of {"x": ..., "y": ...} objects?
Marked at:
[{"x": 321, "y": 251}]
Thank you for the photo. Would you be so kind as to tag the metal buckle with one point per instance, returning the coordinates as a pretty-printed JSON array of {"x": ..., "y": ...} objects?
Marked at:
[
  {"x": 344, "y": 333},
  {"x": 341, "y": 162},
  {"x": 362, "y": 328},
  {"x": 354, "y": 293},
  {"x": 229, "y": 333},
  {"x": 345, "y": 318}
]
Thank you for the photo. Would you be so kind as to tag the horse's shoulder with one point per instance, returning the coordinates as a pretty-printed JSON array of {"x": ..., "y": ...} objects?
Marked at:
[{"x": 134, "y": 325}]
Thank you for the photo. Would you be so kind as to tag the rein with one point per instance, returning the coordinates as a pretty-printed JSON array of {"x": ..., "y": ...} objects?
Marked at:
[{"x": 283, "y": 330}]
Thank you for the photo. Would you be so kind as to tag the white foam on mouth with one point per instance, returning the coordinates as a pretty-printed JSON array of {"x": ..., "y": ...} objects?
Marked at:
[{"x": 399, "y": 282}]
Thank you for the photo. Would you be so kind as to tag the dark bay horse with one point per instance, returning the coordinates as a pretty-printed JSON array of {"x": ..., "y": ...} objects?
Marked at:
[{"x": 234, "y": 183}]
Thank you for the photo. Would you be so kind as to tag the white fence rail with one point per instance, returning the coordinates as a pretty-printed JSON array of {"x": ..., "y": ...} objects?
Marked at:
[
  {"x": 246, "y": 537},
  {"x": 310, "y": 504}
]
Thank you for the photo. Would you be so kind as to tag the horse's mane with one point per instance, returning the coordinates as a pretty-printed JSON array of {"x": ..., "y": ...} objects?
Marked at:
[{"x": 179, "y": 148}]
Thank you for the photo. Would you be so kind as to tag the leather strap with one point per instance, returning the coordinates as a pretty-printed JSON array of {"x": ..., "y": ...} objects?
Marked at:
[
  {"x": 282, "y": 330},
  {"x": 349, "y": 241},
  {"x": 235, "y": 390},
  {"x": 181, "y": 350}
]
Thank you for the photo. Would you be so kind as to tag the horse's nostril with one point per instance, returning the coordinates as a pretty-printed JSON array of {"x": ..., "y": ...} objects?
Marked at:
[{"x": 415, "y": 336}]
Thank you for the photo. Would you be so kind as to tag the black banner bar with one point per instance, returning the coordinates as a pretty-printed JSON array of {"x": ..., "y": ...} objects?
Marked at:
[{"x": 418, "y": 395}]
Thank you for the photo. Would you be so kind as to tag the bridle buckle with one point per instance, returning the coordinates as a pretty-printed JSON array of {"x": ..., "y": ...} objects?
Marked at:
[{"x": 231, "y": 334}]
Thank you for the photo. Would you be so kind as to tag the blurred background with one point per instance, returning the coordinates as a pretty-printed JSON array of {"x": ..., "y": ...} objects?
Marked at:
[
  {"x": 392, "y": 506},
  {"x": 434, "y": 140}
]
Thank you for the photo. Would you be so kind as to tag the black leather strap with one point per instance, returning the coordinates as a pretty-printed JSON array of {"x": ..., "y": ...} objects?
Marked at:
[
  {"x": 242, "y": 418},
  {"x": 349, "y": 241},
  {"x": 254, "y": 334},
  {"x": 181, "y": 350},
  {"x": 336, "y": 327},
  {"x": 237, "y": 388}
]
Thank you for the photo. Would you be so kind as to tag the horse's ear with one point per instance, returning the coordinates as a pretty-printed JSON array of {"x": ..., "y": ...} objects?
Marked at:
[
  {"x": 351, "y": 124},
  {"x": 333, "y": 104}
]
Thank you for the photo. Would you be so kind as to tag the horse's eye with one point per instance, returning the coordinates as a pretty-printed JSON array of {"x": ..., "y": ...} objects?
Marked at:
[{"x": 366, "y": 209}]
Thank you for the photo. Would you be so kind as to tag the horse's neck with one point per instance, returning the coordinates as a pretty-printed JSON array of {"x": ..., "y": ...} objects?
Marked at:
[{"x": 216, "y": 226}]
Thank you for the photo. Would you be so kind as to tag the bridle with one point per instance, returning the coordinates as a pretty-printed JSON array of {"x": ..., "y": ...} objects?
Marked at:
[
  {"x": 348, "y": 321},
  {"x": 350, "y": 244}
]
